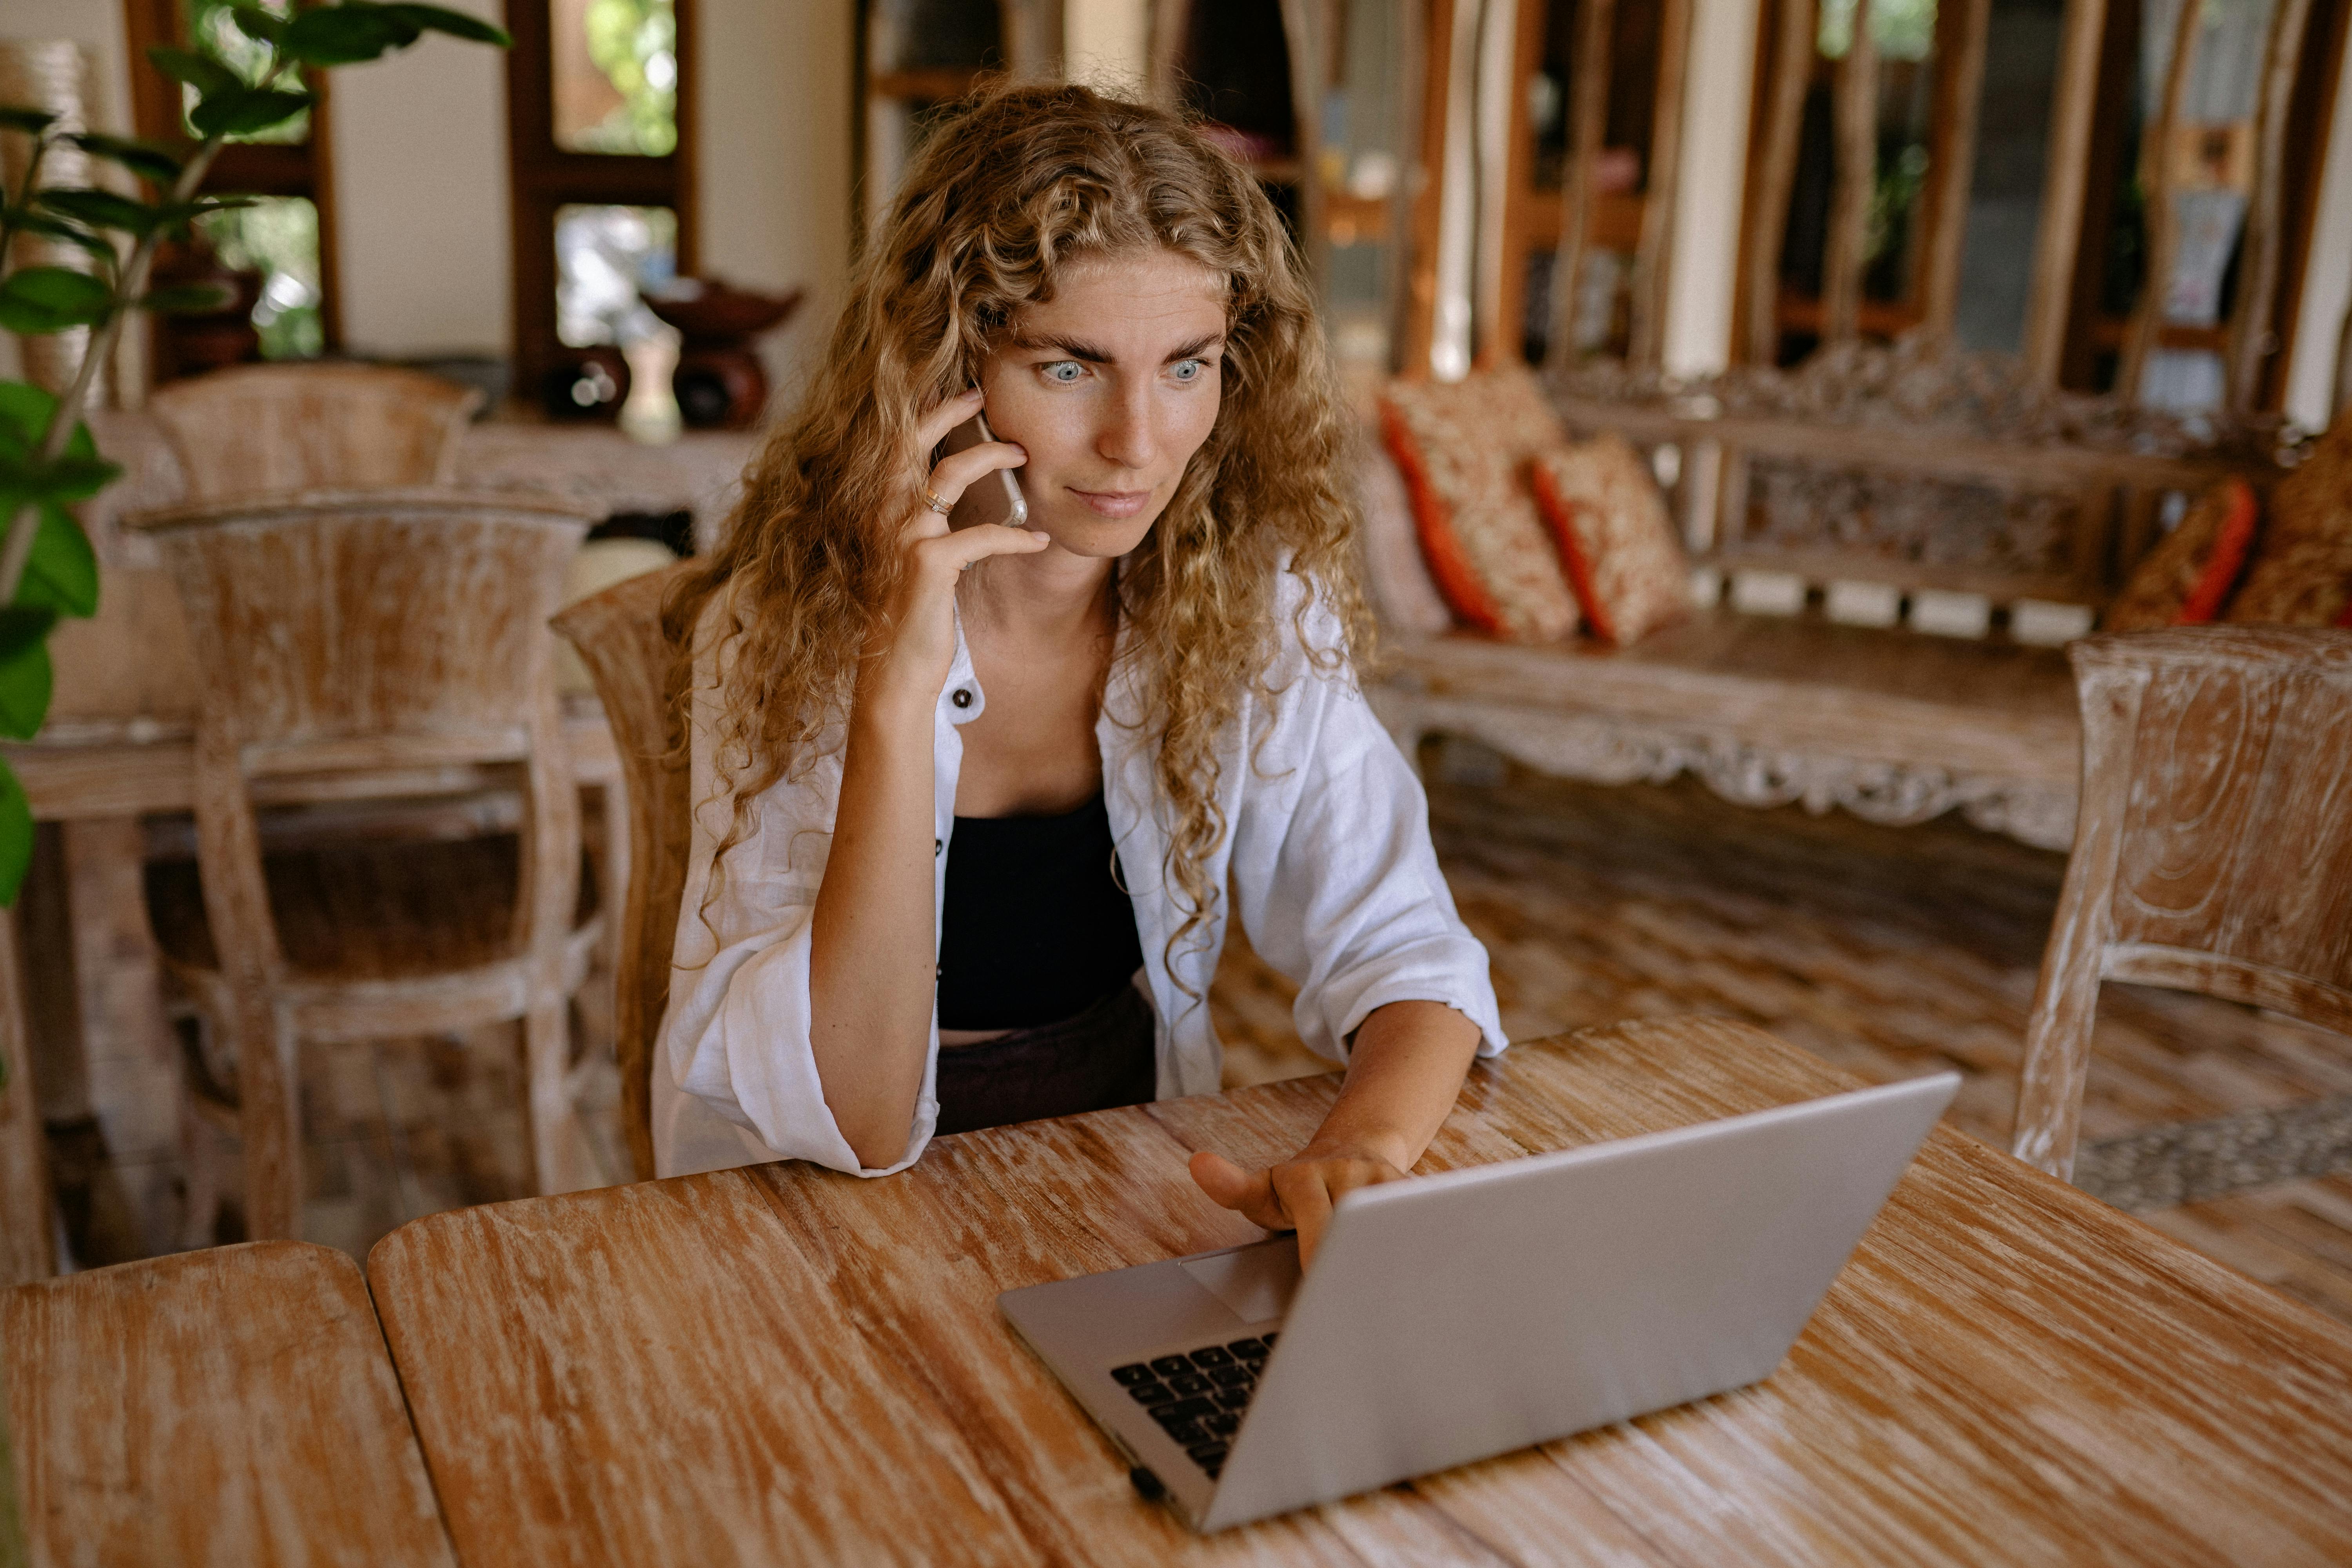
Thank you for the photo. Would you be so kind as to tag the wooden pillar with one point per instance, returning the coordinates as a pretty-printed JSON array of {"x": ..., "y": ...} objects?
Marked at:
[
  {"x": 1653, "y": 259},
  {"x": 1858, "y": 174},
  {"x": 2253, "y": 335},
  {"x": 2060, "y": 232},
  {"x": 1775, "y": 174},
  {"x": 1959, "y": 93}
]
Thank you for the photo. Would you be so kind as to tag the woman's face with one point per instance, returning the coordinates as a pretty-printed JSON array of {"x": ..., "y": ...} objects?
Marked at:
[{"x": 1111, "y": 387}]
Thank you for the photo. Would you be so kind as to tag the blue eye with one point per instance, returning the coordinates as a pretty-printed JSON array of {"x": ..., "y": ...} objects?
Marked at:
[
  {"x": 1055, "y": 372},
  {"x": 1191, "y": 369}
]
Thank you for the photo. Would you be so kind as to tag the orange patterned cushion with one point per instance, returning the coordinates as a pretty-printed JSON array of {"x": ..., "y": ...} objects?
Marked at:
[
  {"x": 2301, "y": 574},
  {"x": 1463, "y": 448},
  {"x": 2304, "y": 583},
  {"x": 2185, "y": 580},
  {"x": 1614, "y": 537}
]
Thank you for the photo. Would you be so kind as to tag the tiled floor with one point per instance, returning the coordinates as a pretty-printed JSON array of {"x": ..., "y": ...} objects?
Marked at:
[{"x": 1890, "y": 951}]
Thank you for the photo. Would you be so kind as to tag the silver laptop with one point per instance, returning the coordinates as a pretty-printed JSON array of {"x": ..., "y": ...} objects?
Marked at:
[{"x": 1459, "y": 1315}]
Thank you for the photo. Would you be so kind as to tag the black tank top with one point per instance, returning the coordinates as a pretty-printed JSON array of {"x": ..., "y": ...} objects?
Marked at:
[{"x": 1034, "y": 928}]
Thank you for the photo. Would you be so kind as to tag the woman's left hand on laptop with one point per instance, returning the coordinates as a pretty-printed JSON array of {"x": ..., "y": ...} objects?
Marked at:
[{"x": 1403, "y": 1075}]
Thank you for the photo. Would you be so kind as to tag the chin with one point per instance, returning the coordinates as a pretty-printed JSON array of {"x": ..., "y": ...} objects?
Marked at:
[{"x": 1099, "y": 538}]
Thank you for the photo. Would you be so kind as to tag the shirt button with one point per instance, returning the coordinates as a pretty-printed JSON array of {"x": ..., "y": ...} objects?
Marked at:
[
  {"x": 939, "y": 845},
  {"x": 963, "y": 698}
]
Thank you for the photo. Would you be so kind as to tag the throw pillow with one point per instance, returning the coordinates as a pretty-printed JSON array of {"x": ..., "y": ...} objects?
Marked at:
[
  {"x": 1609, "y": 521},
  {"x": 2303, "y": 583},
  {"x": 2302, "y": 573},
  {"x": 1402, "y": 593},
  {"x": 1463, "y": 448},
  {"x": 2187, "y": 578}
]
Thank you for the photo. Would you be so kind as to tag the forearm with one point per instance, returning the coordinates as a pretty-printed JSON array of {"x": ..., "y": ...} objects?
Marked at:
[
  {"x": 870, "y": 942},
  {"x": 1403, "y": 1076}
]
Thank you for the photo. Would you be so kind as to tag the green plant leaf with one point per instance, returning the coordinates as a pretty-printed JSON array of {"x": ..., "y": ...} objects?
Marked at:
[
  {"x": 457, "y": 24},
  {"x": 61, "y": 574},
  {"x": 188, "y": 299},
  {"x": 242, "y": 110},
  {"x": 149, "y": 159},
  {"x": 51, "y": 298},
  {"x": 31, "y": 121},
  {"x": 58, "y": 228},
  {"x": 24, "y": 413},
  {"x": 185, "y": 64},
  {"x": 346, "y": 34},
  {"x": 26, "y": 677},
  {"x": 256, "y": 23},
  {"x": 15, "y": 845},
  {"x": 101, "y": 209}
]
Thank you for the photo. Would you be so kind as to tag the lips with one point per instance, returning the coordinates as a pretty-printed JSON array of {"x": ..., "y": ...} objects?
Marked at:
[{"x": 1115, "y": 503}]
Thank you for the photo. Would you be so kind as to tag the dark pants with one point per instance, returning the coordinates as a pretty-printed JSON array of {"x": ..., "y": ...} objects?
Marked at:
[{"x": 1101, "y": 1059}]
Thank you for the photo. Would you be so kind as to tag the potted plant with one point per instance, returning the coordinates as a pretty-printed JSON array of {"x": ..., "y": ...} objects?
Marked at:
[{"x": 47, "y": 460}]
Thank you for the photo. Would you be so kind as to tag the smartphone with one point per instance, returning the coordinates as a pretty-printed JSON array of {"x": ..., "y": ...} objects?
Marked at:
[{"x": 996, "y": 497}]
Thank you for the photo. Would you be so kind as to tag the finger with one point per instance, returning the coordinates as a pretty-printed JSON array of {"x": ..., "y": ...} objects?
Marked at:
[
  {"x": 944, "y": 555},
  {"x": 934, "y": 426},
  {"x": 954, "y": 474},
  {"x": 1308, "y": 1200},
  {"x": 1247, "y": 1193}
]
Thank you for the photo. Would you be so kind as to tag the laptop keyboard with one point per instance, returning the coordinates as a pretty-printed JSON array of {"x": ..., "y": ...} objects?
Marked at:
[{"x": 1199, "y": 1397}]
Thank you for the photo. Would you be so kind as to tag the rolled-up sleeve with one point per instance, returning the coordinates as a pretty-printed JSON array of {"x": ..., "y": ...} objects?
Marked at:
[
  {"x": 1336, "y": 880},
  {"x": 736, "y": 1041}
]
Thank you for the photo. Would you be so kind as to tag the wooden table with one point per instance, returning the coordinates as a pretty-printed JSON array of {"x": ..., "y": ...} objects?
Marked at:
[
  {"x": 782, "y": 1365},
  {"x": 231, "y": 1407}
]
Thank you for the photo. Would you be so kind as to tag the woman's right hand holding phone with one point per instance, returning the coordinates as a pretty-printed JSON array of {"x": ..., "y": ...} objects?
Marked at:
[
  {"x": 871, "y": 956},
  {"x": 922, "y": 616}
]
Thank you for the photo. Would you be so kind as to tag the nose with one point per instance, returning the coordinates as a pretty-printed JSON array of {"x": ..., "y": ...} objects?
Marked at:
[{"x": 1127, "y": 435}]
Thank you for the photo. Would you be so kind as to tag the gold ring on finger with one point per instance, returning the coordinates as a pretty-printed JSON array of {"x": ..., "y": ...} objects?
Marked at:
[{"x": 931, "y": 499}]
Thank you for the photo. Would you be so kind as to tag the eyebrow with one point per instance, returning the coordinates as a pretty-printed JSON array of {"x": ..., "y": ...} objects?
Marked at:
[{"x": 1078, "y": 349}]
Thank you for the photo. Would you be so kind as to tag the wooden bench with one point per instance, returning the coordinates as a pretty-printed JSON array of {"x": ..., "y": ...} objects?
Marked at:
[{"x": 1873, "y": 484}]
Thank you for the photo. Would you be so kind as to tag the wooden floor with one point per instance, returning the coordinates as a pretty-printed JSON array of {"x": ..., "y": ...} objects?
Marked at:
[{"x": 1889, "y": 952}]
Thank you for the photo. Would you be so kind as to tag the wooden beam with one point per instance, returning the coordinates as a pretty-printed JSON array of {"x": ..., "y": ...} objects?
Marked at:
[
  {"x": 1959, "y": 95},
  {"x": 2156, "y": 179},
  {"x": 2252, "y": 334},
  {"x": 1856, "y": 115},
  {"x": 1588, "y": 123},
  {"x": 1504, "y": 336},
  {"x": 1775, "y": 174},
  {"x": 1420, "y": 312},
  {"x": 2060, "y": 232},
  {"x": 1653, "y": 257}
]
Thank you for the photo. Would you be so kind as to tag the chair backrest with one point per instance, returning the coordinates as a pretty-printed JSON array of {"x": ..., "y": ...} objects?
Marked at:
[
  {"x": 619, "y": 637},
  {"x": 367, "y": 644},
  {"x": 276, "y": 429},
  {"x": 2213, "y": 848}
]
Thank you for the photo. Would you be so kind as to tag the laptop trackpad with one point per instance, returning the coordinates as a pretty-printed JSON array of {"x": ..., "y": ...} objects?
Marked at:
[{"x": 1256, "y": 1282}]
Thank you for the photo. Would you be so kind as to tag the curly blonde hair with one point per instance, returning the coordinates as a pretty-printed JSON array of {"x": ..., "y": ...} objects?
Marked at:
[{"x": 1017, "y": 184}]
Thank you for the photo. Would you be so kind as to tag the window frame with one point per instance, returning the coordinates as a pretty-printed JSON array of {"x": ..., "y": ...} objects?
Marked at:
[
  {"x": 304, "y": 168},
  {"x": 543, "y": 178}
]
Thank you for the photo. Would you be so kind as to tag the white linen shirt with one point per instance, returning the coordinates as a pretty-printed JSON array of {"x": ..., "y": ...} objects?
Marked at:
[{"x": 1328, "y": 859}]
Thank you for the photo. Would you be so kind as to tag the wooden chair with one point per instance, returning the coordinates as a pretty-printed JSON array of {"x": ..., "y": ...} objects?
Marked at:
[
  {"x": 362, "y": 647},
  {"x": 619, "y": 636},
  {"x": 278, "y": 429},
  {"x": 2214, "y": 854}
]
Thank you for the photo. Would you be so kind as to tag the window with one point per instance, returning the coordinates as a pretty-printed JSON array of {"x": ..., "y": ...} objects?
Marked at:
[
  {"x": 289, "y": 238},
  {"x": 600, "y": 118}
]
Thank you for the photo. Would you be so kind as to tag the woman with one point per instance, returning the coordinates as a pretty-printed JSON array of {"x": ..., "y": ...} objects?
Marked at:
[{"x": 967, "y": 799}]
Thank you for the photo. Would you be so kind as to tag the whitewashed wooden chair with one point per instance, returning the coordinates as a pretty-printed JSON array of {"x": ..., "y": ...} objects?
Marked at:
[
  {"x": 280, "y": 429},
  {"x": 2214, "y": 853},
  {"x": 632, "y": 659},
  {"x": 374, "y": 645}
]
